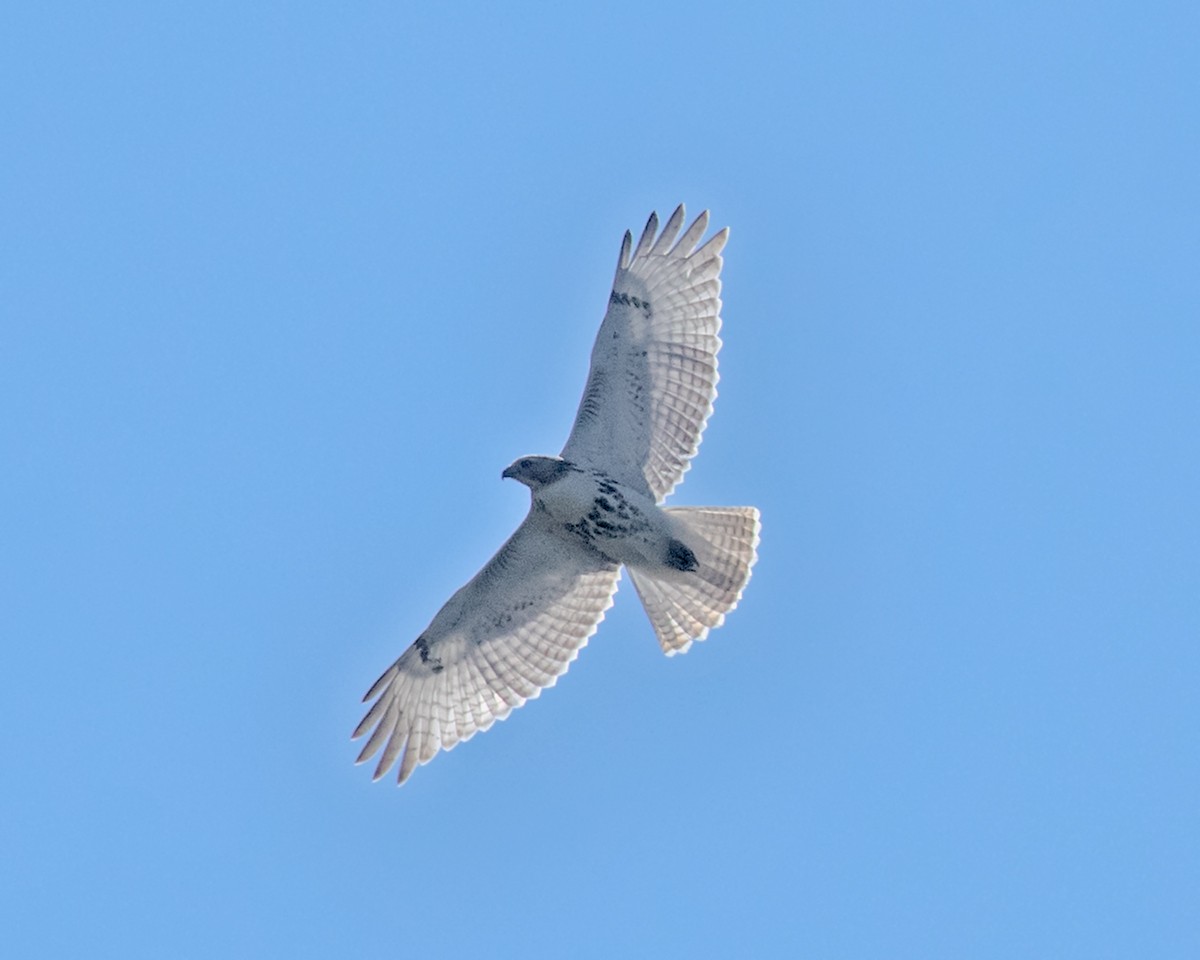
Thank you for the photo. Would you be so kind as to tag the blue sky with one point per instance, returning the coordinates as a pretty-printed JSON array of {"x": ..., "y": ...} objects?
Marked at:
[{"x": 283, "y": 287}]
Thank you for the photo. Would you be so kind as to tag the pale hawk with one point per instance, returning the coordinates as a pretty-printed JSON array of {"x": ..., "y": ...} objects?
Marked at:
[{"x": 518, "y": 624}]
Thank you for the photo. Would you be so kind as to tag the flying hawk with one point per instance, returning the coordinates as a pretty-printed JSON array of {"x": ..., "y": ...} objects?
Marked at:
[{"x": 518, "y": 624}]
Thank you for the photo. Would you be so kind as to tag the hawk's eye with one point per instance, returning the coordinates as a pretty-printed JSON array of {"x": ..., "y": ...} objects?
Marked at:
[{"x": 524, "y": 464}]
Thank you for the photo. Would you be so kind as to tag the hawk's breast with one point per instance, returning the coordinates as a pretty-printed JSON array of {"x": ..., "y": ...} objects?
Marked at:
[{"x": 602, "y": 512}]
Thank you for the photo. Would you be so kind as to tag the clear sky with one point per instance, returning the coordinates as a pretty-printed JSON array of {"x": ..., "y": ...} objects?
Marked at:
[{"x": 283, "y": 287}]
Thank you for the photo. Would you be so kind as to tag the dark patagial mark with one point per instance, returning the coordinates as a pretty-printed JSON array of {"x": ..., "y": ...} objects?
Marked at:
[
  {"x": 680, "y": 556},
  {"x": 434, "y": 663}
]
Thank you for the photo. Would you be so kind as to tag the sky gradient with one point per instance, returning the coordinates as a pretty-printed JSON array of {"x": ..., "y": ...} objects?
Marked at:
[{"x": 284, "y": 287}]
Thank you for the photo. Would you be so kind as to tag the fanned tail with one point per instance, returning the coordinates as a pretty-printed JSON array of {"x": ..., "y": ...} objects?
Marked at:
[{"x": 683, "y": 607}]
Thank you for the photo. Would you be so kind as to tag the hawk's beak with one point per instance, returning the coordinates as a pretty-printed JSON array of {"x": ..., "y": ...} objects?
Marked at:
[{"x": 508, "y": 474}]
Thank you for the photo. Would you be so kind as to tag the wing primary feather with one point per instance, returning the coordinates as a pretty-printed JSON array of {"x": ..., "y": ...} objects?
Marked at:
[
  {"x": 691, "y": 236},
  {"x": 372, "y": 715},
  {"x": 662, "y": 245},
  {"x": 381, "y": 732},
  {"x": 626, "y": 244},
  {"x": 412, "y": 754},
  {"x": 406, "y": 750},
  {"x": 647, "y": 238},
  {"x": 714, "y": 246},
  {"x": 380, "y": 683},
  {"x": 397, "y": 745}
]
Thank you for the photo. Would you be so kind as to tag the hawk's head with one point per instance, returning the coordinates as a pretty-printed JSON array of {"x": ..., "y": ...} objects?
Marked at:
[{"x": 537, "y": 472}]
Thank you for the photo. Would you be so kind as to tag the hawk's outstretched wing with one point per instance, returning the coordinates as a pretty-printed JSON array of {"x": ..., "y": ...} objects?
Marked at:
[
  {"x": 653, "y": 377},
  {"x": 510, "y": 632}
]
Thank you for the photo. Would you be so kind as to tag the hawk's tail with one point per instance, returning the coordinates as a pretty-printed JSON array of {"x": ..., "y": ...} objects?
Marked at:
[{"x": 683, "y": 607}]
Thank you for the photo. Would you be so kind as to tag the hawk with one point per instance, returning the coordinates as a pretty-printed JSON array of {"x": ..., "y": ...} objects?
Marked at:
[{"x": 518, "y": 624}]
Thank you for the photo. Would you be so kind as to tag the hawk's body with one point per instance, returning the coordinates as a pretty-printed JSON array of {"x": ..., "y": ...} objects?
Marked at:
[
  {"x": 621, "y": 525},
  {"x": 517, "y": 625}
]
